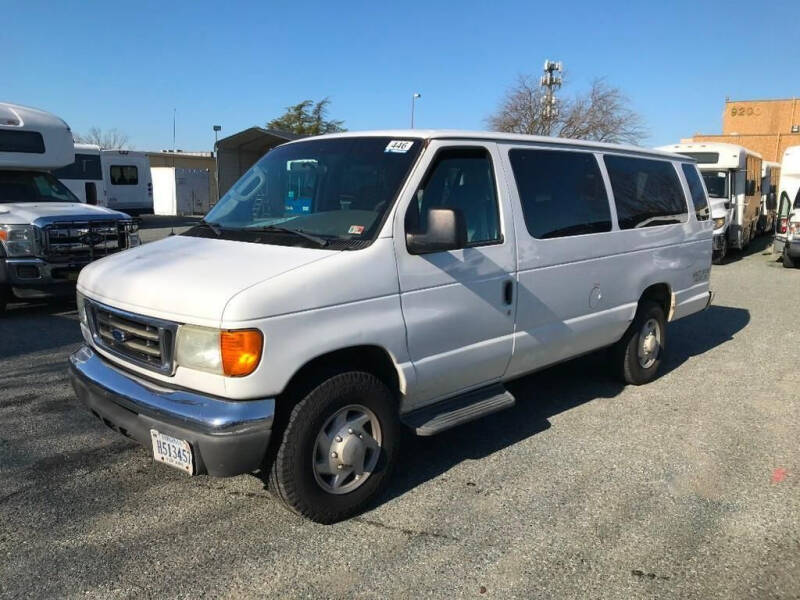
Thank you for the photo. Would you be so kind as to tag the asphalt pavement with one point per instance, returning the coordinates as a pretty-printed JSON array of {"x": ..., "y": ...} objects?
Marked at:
[{"x": 688, "y": 487}]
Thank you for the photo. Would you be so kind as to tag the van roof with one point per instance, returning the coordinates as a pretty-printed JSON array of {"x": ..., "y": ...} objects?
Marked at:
[
  {"x": 27, "y": 117},
  {"x": 461, "y": 134}
]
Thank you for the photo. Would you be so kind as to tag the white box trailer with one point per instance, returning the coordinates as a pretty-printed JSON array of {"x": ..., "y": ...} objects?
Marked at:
[{"x": 180, "y": 191}]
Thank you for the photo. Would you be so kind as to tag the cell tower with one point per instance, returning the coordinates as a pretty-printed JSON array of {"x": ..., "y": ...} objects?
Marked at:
[{"x": 550, "y": 81}]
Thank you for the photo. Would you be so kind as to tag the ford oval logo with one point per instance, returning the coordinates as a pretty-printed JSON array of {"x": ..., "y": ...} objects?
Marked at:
[
  {"x": 91, "y": 239},
  {"x": 119, "y": 335}
]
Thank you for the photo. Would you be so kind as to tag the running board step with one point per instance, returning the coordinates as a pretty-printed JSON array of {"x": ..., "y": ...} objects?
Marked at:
[{"x": 443, "y": 415}]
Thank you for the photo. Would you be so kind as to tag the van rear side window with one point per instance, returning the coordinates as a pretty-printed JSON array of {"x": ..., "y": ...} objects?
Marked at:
[
  {"x": 562, "y": 193},
  {"x": 647, "y": 192},
  {"x": 124, "y": 175},
  {"x": 30, "y": 142},
  {"x": 696, "y": 190}
]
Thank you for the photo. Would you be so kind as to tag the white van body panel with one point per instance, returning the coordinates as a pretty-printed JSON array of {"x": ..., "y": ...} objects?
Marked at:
[
  {"x": 441, "y": 317},
  {"x": 788, "y": 196},
  {"x": 55, "y": 133},
  {"x": 120, "y": 193}
]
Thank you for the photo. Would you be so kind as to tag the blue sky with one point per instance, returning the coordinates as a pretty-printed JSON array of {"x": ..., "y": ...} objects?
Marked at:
[{"x": 127, "y": 65}]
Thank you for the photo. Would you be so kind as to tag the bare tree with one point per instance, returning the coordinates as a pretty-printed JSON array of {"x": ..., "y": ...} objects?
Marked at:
[
  {"x": 111, "y": 139},
  {"x": 602, "y": 114}
]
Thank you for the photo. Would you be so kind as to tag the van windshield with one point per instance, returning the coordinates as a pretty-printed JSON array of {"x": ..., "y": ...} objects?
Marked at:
[
  {"x": 32, "y": 186},
  {"x": 716, "y": 183},
  {"x": 336, "y": 190}
]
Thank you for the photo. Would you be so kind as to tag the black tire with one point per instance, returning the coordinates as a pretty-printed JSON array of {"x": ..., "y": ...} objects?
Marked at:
[
  {"x": 624, "y": 353},
  {"x": 5, "y": 296},
  {"x": 788, "y": 261},
  {"x": 292, "y": 477}
]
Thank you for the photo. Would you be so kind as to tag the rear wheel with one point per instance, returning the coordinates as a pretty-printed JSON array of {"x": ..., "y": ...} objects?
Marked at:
[
  {"x": 338, "y": 448},
  {"x": 637, "y": 356}
]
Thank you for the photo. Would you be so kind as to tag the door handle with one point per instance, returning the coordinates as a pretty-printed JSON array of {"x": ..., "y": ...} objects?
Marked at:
[{"x": 508, "y": 292}]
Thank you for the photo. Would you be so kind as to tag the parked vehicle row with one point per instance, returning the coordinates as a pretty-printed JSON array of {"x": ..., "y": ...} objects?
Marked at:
[
  {"x": 46, "y": 233},
  {"x": 350, "y": 285}
]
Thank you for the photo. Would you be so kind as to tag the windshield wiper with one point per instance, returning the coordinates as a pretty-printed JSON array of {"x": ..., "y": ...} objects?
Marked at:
[
  {"x": 322, "y": 242},
  {"x": 212, "y": 226}
]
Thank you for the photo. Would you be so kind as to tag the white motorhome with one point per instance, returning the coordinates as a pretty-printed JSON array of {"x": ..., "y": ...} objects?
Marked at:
[
  {"x": 352, "y": 284},
  {"x": 732, "y": 175},
  {"x": 46, "y": 234},
  {"x": 84, "y": 176},
  {"x": 128, "y": 182},
  {"x": 787, "y": 226},
  {"x": 770, "y": 177}
]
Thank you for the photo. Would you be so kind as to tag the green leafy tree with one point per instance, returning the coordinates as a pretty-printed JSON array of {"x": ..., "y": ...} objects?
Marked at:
[{"x": 307, "y": 118}]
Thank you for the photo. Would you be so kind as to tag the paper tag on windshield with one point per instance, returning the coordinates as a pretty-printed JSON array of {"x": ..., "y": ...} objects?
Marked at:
[
  {"x": 356, "y": 229},
  {"x": 399, "y": 146}
]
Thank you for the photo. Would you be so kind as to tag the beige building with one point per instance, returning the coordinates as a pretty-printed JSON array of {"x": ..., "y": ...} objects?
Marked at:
[{"x": 764, "y": 126}]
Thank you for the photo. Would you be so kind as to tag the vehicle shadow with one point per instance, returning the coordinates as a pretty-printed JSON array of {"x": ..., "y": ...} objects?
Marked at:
[
  {"x": 27, "y": 328},
  {"x": 760, "y": 245},
  {"x": 548, "y": 393}
]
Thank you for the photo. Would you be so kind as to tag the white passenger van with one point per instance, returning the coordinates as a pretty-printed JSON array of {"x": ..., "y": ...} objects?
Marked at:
[
  {"x": 787, "y": 226},
  {"x": 732, "y": 176},
  {"x": 770, "y": 177},
  {"x": 351, "y": 284},
  {"x": 128, "y": 183},
  {"x": 46, "y": 234},
  {"x": 84, "y": 176}
]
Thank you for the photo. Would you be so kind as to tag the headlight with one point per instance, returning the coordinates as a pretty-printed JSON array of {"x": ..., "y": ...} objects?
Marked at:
[
  {"x": 18, "y": 240},
  {"x": 719, "y": 222},
  {"x": 132, "y": 230},
  {"x": 81, "y": 302},
  {"x": 232, "y": 353}
]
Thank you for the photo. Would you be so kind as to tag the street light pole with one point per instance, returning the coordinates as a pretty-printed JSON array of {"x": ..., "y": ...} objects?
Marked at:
[
  {"x": 217, "y": 129},
  {"x": 413, "y": 100}
]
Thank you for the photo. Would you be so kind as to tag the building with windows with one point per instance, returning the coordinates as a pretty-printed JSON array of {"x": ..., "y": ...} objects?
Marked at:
[{"x": 764, "y": 126}]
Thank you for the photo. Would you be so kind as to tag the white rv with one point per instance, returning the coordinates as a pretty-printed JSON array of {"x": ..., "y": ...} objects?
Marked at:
[
  {"x": 46, "y": 234},
  {"x": 770, "y": 175},
  {"x": 128, "y": 183},
  {"x": 787, "y": 226},
  {"x": 84, "y": 176},
  {"x": 732, "y": 175}
]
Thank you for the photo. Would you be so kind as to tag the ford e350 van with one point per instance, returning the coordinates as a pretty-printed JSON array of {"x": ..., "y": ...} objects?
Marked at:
[{"x": 353, "y": 284}]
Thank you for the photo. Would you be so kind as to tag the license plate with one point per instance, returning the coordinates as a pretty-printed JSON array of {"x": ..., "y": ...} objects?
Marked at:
[{"x": 172, "y": 451}]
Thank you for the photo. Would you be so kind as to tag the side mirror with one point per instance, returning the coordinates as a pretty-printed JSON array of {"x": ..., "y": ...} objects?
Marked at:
[
  {"x": 91, "y": 193},
  {"x": 446, "y": 230}
]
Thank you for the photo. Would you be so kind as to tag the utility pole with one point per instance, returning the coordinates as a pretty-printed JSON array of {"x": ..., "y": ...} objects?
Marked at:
[
  {"x": 550, "y": 81},
  {"x": 413, "y": 100}
]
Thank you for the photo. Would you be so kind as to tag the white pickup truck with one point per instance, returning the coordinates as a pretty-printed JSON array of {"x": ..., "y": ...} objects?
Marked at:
[
  {"x": 352, "y": 284},
  {"x": 46, "y": 234}
]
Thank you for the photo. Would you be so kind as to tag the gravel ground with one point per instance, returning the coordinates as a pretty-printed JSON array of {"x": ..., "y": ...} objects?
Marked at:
[{"x": 685, "y": 488}]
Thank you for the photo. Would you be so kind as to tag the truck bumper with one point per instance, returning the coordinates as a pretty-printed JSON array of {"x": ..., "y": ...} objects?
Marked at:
[
  {"x": 31, "y": 278},
  {"x": 227, "y": 437}
]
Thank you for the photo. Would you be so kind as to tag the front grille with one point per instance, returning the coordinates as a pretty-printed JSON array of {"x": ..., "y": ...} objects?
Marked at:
[
  {"x": 84, "y": 241},
  {"x": 144, "y": 341}
]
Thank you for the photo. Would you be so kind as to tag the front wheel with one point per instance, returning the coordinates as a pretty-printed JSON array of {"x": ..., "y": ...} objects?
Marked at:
[
  {"x": 718, "y": 257},
  {"x": 637, "y": 356},
  {"x": 338, "y": 448}
]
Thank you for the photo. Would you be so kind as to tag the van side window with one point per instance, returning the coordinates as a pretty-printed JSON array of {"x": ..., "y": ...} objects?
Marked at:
[
  {"x": 562, "y": 193},
  {"x": 124, "y": 175},
  {"x": 647, "y": 192},
  {"x": 463, "y": 179},
  {"x": 696, "y": 190}
]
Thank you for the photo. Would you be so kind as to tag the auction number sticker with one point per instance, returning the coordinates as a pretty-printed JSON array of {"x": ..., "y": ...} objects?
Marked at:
[
  {"x": 399, "y": 146},
  {"x": 356, "y": 229}
]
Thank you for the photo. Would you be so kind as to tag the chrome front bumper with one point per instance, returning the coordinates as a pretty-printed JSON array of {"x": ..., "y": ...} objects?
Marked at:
[{"x": 228, "y": 437}]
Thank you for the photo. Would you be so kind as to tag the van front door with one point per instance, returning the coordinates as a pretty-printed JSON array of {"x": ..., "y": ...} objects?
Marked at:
[{"x": 458, "y": 305}]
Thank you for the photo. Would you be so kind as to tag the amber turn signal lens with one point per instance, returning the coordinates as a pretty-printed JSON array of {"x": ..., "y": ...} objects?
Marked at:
[{"x": 241, "y": 351}]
